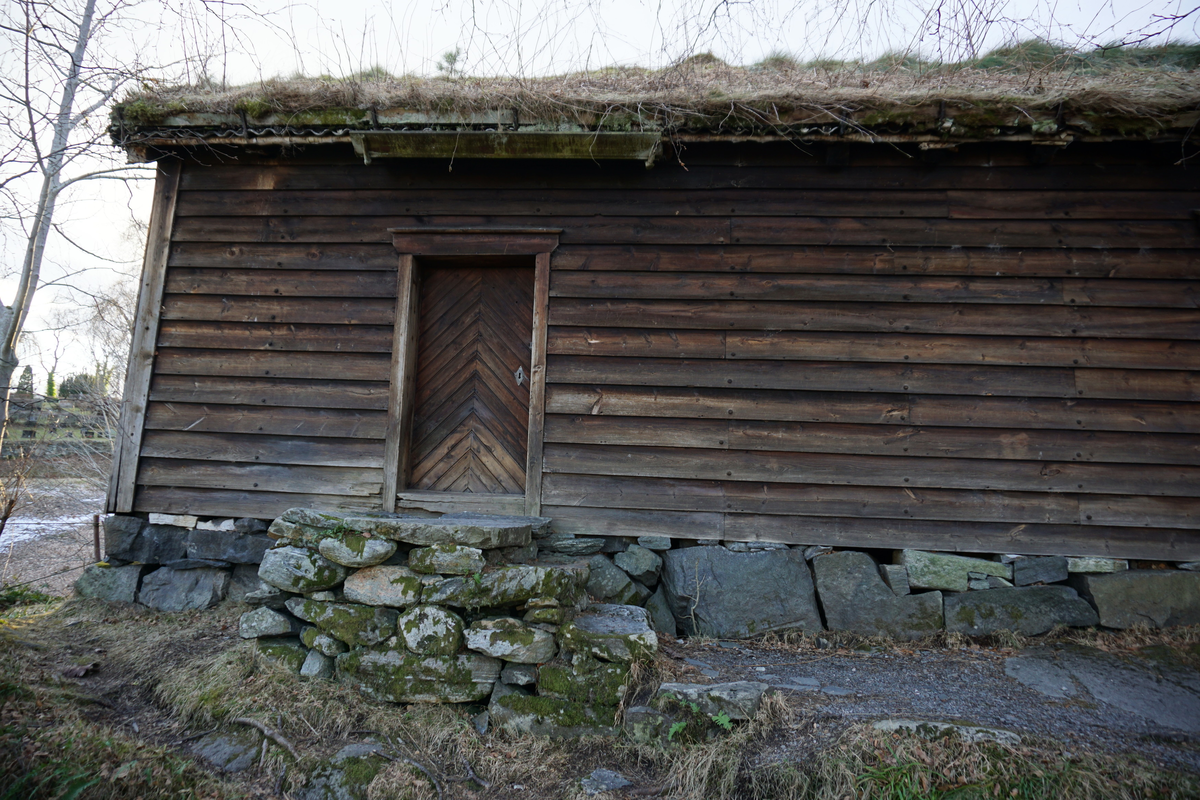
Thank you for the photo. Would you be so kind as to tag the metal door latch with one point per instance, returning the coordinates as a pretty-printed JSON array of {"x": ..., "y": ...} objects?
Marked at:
[{"x": 520, "y": 375}]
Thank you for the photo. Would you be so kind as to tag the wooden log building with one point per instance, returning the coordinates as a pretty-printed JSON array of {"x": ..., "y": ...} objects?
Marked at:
[{"x": 925, "y": 334}]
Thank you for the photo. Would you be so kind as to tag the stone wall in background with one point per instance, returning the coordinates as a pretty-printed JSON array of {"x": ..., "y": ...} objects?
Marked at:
[{"x": 469, "y": 608}]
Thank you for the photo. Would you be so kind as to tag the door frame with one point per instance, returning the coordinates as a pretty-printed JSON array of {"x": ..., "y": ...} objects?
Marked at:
[{"x": 411, "y": 244}]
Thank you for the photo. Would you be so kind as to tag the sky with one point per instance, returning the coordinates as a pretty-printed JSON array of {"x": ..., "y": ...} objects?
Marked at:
[{"x": 234, "y": 42}]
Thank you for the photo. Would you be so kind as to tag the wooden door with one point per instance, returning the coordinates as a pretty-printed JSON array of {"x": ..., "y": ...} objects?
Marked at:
[{"x": 471, "y": 406}]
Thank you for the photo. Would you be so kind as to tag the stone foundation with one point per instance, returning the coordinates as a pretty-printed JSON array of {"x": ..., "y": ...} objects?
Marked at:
[{"x": 543, "y": 626}]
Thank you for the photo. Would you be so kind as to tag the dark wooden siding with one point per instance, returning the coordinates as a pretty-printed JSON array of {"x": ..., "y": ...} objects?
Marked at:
[{"x": 982, "y": 355}]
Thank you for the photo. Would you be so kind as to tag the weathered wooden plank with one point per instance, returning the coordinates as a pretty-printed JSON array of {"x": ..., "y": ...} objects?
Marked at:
[
  {"x": 875, "y": 502},
  {"x": 284, "y": 256},
  {"x": 546, "y": 202},
  {"x": 266, "y": 336},
  {"x": 458, "y": 502},
  {"x": 272, "y": 392},
  {"x": 290, "y": 478},
  {"x": 858, "y": 470},
  {"x": 950, "y": 536},
  {"x": 282, "y": 421},
  {"x": 1137, "y": 384},
  {"x": 918, "y": 348},
  {"x": 972, "y": 537},
  {"x": 281, "y": 282},
  {"x": 537, "y": 386},
  {"x": 800, "y": 437},
  {"x": 652, "y": 285},
  {"x": 1146, "y": 512},
  {"x": 234, "y": 503},
  {"x": 359, "y": 229},
  {"x": 901, "y": 174},
  {"x": 883, "y": 409},
  {"x": 1147, "y": 294},
  {"x": 122, "y": 486},
  {"x": 1156, "y": 263},
  {"x": 1071, "y": 205},
  {"x": 311, "y": 310},
  {"x": 259, "y": 363},
  {"x": 941, "y": 318},
  {"x": 816, "y": 376},
  {"x": 262, "y": 449},
  {"x": 401, "y": 384}
]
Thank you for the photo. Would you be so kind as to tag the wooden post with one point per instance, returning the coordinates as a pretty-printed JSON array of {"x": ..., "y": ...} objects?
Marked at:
[
  {"x": 123, "y": 480},
  {"x": 537, "y": 387},
  {"x": 96, "y": 535},
  {"x": 403, "y": 382}
]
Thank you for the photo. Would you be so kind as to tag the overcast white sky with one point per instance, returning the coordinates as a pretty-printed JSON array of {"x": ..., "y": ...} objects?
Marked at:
[{"x": 530, "y": 37}]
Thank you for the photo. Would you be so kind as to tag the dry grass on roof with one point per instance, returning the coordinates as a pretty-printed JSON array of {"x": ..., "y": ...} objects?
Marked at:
[{"x": 1037, "y": 76}]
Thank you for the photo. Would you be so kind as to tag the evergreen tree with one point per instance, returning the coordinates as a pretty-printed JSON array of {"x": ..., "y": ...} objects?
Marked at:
[{"x": 25, "y": 382}]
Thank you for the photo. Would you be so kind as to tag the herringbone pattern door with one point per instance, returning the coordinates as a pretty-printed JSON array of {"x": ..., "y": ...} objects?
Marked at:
[{"x": 471, "y": 409}]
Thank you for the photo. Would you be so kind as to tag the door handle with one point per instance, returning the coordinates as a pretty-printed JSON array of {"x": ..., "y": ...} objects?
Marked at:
[{"x": 520, "y": 375}]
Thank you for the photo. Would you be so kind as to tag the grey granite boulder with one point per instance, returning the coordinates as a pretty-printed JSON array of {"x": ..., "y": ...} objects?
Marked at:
[
  {"x": 606, "y": 581},
  {"x": 510, "y": 640},
  {"x": 659, "y": 609},
  {"x": 167, "y": 589},
  {"x": 120, "y": 534},
  {"x": 431, "y": 630},
  {"x": 265, "y": 622},
  {"x": 396, "y": 676},
  {"x": 284, "y": 650},
  {"x": 505, "y": 586},
  {"x": 640, "y": 563},
  {"x": 611, "y": 633},
  {"x": 1039, "y": 569},
  {"x": 349, "y": 622},
  {"x": 114, "y": 584},
  {"x": 473, "y": 530},
  {"x": 946, "y": 571},
  {"x": 356, "y": 551},
  {"x": 714, "y": 592},
  {"x": 300, "y": 570},
  {"x": 1159, "y": 598},
  {"x": 855, "y": 598},
  {"x": 231, "y": 546},
  {"x": 153, "y": 544},
  {"x": 384, "y": 585},
  {"x": 446, "y": 559},
  {"x": 1027, "y": 610},
  {"x": 317, "y": 665},
  {"x": 571, "y": 545},
  {"x": 739, "y": 700}
]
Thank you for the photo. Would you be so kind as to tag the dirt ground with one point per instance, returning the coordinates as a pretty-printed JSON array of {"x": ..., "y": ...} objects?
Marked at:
[{"x": 49, "y": 538}]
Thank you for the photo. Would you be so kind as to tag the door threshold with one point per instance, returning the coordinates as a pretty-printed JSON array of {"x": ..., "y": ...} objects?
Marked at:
[{"x": 449, "y": 502}]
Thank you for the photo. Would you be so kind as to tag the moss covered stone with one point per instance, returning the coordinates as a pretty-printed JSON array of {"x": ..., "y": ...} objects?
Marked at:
[
  {"x": 472, "y": 530},
  {"x": 397, "y": 586},
  {"x": 431, "y": 630},
  {"x": 300, "y": 570},
  {"x": 357, "y": 551},
  {"x": 586, "y": 681},
  {"x": 611, "y": 633},
  {"x": 511, "y": 640},
  {"x": 446, "y": 559},
  {"x": 506, "y": 586},
  {"x": 349, "y": 622},
  {"x": 400, "y": 677},
  {"x": 517, "y": 712},
  {"x": 550, "y": 616},
  {"x": 285, "y": 650}
]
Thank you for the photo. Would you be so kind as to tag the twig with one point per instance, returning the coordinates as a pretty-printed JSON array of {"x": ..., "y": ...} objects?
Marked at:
[
  {"x": 279, "y": 783},
  {"x": 310, "y": 727},
  {"x": 282, "y": 742},
  {"x": 428, "y": 774},
  {"x": 471, "y": 774},
  {"x": 262, "y": 759}
]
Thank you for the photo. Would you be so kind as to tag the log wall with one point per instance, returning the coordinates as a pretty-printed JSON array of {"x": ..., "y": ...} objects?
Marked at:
[{"x": 979, "y": 355}]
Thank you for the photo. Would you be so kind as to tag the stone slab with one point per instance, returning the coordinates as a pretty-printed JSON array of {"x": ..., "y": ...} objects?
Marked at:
[
  {"x": 300, "y": 570},
  {"x": 935, "y": 729},
  {"x": 1096, "y": 565},
  {"x": 446, "y": 559},
  {"x": 1028, "y": 610},
  {"x": 399, "y": 677},
  {"x": 167, "y": 589},
  {"x": 356, "y": 551},
  {"x": 505, "y": 586},
  {"x": 351, "y": 623},
  {"x": 945, "y": 571},
  {"x": 112, "y": 584},
  {"x": 739, "y": 700},
  {"x": 1159, "y": 598},
  {"x": 510, "y": 640},
  {"x": 472, "y": 530},
  {"x": 611, "y": 633},
  {"x": 395, "y": 586},
  {"x": 1039, "y": 569},
  {"x": 855, "y": 598}
]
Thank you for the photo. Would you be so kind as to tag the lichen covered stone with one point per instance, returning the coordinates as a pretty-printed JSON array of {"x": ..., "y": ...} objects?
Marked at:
[
  {"x": 446, "y": 559},
  {"x": 299, "y": 570},
  {"x": 928, "y": 570},
  {"x": 397, "y": 676},
  {"x": 398, "y": 587},
  {"x": 611, "y": 633},
  {"x": 510, "y": 640},
  {"x": 357, "y": 551},
  {"x": 472, "y": 530},
  {"x": 265, "y": 622},
  {"x": 285, "y": 650},
  {"x": 349, "y": 622},
  {"x": 431, "y": 630},
  {"x": 505, "y": 586},
  {"x": 314, "y": 639}
]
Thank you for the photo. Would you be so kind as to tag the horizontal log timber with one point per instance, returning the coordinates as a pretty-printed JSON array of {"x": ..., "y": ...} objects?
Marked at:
[
  {"x": 874, "y": 288},
  {"x": 281, "y": 421},
  {"x": 1069, "y": 204},
  {"x": 714, "y": 230},
  {"x": 862, "y": 470},
  {"x": 273, "y": 392},
  {"x": 268, "y": 336},
  {"x": 873, "y": 377},
  {"x": 1156, "y": 264},
  {"x": 458, "y": 502},
  {"x": 262, "y": 449},
  {"x": 283, "y": 256},
  {"x": 311, "y": 310},
  {"x": 234, "y": 503},
  {"x": 561, "y": 202},
  {"x": 917, "y": 348},
  {"x": 292, "y": 479},
  {"x": 900, "y": 174},
  {"x": 873, "y": 502},
  {"x": 281, "y": 282},
  {"x": 258, "y": 363},
  {"x": 803, "y": 437},
  {"x": 882, "y": 409},
  {"x": 962, "y": 537},
  {"x": 948, "y": 318}
]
